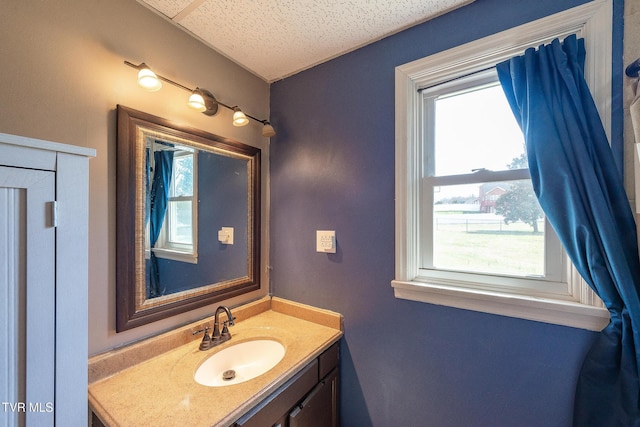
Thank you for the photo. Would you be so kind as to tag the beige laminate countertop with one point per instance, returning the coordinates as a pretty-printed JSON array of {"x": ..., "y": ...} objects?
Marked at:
[{"x": 161, "y": 391}]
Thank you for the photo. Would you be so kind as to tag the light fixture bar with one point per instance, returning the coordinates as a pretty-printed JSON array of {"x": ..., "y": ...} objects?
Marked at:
[{"x": 267, "y": 128}]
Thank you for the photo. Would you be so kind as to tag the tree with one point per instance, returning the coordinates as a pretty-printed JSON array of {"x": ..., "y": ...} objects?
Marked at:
[
  {"x": 520, "y": 162},
  {"x": 520, "y": 202}
]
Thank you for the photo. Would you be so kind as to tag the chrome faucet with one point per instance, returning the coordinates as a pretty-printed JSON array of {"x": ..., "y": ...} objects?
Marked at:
[{"x": 217, "y": 337}]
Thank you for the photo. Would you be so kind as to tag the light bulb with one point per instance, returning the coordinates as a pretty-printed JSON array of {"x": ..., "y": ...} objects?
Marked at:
[
  {"x": 148, "y": 80},
  {"x": 239, "y": 119},
  {"x": 196, "y": 101},
  {"x": 267, "y": 130}
]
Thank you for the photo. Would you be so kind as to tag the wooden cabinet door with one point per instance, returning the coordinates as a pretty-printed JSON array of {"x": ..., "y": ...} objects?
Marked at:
[
  {"x": 27, "y": 297},
  {"x": 319, "y": 408}
]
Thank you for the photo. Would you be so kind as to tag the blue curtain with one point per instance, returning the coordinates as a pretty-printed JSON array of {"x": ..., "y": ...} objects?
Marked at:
[
  {"x": 158, "y": 201},
  {"x": 147, "y": 184},
  {"x": 580, "y": 190}
]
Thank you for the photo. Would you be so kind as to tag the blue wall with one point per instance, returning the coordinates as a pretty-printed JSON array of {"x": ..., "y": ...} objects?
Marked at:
[{"x": 332, "y": 167}]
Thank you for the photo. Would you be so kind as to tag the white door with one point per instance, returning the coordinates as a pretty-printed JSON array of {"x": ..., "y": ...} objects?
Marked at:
[{"x": 27, "y": 297}]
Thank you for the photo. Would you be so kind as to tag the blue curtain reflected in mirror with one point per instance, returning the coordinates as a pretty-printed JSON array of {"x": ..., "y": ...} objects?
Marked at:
[{"x": 158, "y": 200}]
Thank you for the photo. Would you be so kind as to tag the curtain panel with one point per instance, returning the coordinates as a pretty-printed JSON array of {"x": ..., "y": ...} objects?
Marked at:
[
  {"x": 577, "y": 183},
  {"x": 158, "y": 201}
]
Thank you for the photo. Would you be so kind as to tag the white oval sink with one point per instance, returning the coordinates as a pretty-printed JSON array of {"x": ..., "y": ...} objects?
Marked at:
[{"x": 240, "y": 362}]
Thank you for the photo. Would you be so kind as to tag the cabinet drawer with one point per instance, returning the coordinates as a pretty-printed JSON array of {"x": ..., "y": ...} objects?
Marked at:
[
  {"x": 281, "y": 401},
  {"x": 329, "y": 360}
]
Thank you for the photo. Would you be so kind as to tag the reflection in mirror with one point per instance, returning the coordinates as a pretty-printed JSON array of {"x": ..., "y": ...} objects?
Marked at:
[
  {"x": 174, "y": 237},
  {"x": 188, "y": 218}
]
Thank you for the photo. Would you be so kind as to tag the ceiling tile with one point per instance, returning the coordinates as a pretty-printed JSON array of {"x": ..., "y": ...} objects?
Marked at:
[{"x": 277, "y": 38}]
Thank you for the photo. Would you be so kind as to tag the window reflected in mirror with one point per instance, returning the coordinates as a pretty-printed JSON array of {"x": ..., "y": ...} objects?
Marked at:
[{"x": 171, "y": 211}]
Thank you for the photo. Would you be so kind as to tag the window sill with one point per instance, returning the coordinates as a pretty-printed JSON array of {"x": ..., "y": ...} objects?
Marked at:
[
  {"x": 559, "y": 312},
  {"x": 176, "y": 255}
]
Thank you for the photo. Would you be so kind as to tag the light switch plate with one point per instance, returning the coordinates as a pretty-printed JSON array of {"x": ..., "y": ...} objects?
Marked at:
[
  {"x": 326, "y": 241},
  {"x": 225, "y": 235}
]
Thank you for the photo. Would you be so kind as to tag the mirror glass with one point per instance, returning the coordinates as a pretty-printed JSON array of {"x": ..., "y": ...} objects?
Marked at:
[{"x": 187, "y": 218}]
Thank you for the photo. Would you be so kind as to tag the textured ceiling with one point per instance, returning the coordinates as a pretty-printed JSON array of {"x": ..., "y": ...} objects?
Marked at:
[{"x": 278, "y": 38}]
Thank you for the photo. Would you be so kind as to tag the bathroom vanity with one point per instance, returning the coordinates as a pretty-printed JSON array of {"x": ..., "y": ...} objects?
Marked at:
[
  {"x": 310, "y": 398},
  {"x": 152, "y": 382}
]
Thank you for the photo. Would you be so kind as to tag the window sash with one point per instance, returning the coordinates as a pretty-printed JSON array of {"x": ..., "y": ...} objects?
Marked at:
[
  {"x": 554, "y": 258},
  {"x": 172, "y": 225},
  {"x": 166, "y": 247}
]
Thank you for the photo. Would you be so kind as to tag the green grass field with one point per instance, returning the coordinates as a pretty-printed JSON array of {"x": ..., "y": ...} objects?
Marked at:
[{"x": 491, "y": 247}]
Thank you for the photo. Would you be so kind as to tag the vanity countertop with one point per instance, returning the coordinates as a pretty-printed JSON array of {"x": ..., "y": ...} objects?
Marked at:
[{"x": 161, "y": 391}]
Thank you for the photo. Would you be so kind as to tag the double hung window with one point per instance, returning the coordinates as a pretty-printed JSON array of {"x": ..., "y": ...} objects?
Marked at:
[
  {"x": 178, "y": 236},
  {"x": 480, "y": 220},
  {"x": 469, "y": 231}
]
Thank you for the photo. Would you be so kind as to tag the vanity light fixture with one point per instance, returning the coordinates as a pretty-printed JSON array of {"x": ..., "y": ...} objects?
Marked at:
[
  {"x": 199, "y": 99},
  {"x": 239, "y": 118},
  {"x": 267, "y": 130},
  {"x": 147, "y": 79},
  {"x": 203, "y": 101},
  {"x": 196, "y": 101}
]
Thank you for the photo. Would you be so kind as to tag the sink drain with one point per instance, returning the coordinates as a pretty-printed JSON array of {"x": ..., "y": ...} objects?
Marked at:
[{"x": 228, "y": 375}]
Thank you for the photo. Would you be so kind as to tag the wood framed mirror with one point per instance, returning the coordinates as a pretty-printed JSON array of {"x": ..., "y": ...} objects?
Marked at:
[{"x": 187, "y": 221}]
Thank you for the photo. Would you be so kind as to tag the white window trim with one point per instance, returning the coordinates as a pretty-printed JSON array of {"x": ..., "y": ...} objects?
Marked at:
[
  {"x": 176, "y": 251},
  {"x": 581, "y": 308}
]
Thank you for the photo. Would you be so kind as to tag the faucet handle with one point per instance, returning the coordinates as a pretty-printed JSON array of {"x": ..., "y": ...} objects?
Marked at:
[
  {"x": 229, "y": 321},
  {"x": 205, "y": 330},
  {"x": 206, "y": 339},
  {"x": 225, "y": 330}
]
